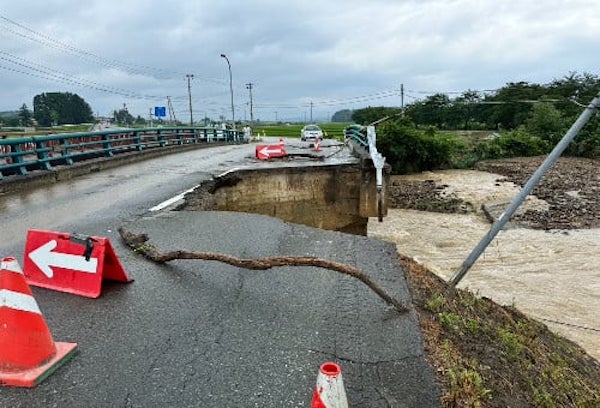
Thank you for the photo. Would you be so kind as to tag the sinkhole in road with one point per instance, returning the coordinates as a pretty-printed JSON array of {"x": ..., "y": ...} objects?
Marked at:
[{"x": 325, "y": 197}]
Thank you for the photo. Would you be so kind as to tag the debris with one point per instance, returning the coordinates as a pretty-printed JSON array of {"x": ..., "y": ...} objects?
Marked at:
[{"x": 139, "y": 243}]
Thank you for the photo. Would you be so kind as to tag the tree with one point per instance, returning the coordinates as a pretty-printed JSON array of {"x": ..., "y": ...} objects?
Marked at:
[
  {"x": 9, "y": 119},
  {"x": 25, "y": 115},
  {"x": 58, "y": 108},
  {"x": 370, "y": 115},
  {"x": 431, "y": 112},
  {"x": 466, "y": 110},
  {"x": 123, "y": 117},
  {"x": 573, "y": 87},
  {"x": 546, "y": 122},
  {"x": 512, "y": 107}
]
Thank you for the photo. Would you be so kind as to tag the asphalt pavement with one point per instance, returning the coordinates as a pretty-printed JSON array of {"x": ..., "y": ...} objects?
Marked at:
[{"x": 196, "y": 333}]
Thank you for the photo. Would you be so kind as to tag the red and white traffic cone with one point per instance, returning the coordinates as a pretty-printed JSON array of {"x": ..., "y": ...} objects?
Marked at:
[
  {"x": 281, "y": 143},
  {"x": 28, "y": 354},
  {"x": 330, "y": 392},
  {"x": 317, "y": 145}
]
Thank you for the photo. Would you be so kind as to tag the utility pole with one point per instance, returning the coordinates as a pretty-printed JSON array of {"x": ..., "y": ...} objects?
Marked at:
[
  {"x": 172, "y": 117},
  {"x": 402, "y": 97},
  {"x": 150, "y": 117},
  {"x": 189, "y": 78},
  {"x": 249, "y": 86},
  {"x": 311, "y": 107}
]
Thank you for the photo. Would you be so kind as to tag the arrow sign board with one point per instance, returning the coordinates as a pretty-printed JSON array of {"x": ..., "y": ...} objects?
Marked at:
[
  {"x": 70, "y": 263},
  {"x": 265, "y": 152}
]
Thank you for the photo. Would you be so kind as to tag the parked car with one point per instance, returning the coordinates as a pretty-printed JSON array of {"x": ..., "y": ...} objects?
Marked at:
[{"x": 311, "y": 132}]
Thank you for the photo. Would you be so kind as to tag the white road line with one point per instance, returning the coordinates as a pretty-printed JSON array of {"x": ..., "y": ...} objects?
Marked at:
[
  {"x": 172, "y": 200},
  {"x": 227, "y": 172}
]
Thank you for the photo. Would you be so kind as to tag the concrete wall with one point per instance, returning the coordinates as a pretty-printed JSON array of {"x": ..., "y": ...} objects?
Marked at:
[{"x": 336, "y": 197}]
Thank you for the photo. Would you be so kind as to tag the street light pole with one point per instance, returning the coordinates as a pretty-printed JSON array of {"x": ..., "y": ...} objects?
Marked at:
[{"x": 230, "y": 89}]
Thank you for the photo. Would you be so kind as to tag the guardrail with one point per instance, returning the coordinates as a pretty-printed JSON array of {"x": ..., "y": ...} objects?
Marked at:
[
  {"x": 366, "y": 137},
  {"x": 21, "y": 155},
  {"x": 357, "y": 134}
]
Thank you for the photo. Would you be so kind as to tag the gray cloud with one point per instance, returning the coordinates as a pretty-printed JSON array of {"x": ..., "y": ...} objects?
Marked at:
[{"x": 331, "y": 52}]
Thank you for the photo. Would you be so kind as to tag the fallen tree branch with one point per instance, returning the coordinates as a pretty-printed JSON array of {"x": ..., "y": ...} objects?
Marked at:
[{"x": 139, "y": 243}]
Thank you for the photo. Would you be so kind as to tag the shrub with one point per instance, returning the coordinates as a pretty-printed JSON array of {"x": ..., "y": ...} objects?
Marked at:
[{"x": 409, "y": 150}]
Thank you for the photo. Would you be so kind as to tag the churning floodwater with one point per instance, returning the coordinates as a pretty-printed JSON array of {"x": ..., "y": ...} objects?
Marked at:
[{"x": 552, "y": 276}]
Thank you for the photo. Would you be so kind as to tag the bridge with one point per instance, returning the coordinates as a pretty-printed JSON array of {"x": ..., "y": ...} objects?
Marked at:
[
  {"x": 203, "y": 333},
  {"x": 21, "y": 155},
  {"x": 343, "y": 200}
]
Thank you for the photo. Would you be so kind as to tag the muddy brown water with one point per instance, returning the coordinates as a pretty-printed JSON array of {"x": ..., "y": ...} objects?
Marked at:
[{"x": 552, "y": 276}]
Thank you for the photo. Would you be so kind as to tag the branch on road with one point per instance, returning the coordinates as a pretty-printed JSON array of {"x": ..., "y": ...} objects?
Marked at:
[{"x": 139, "y": 243}]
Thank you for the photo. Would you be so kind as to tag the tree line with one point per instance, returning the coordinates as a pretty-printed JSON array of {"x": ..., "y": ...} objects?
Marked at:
[
  {"x": 51, "y": 109},
  {"x": 522, "y": 119}
]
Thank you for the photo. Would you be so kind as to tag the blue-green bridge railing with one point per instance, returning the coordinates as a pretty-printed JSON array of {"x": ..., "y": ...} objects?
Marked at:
[{"x": 18, "y": 156}]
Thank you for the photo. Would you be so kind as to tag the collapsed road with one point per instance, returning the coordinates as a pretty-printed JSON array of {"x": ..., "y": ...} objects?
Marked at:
[{"x": 204, "y": 333}]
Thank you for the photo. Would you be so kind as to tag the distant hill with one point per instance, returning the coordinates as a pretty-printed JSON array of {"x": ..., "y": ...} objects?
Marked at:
[
  {"x": 344, "y": 115},
  {"x": 8, "y": 113}
]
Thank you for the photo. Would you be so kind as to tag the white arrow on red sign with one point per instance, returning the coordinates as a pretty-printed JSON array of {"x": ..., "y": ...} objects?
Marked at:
[
  {"x": 44, "y": 258},
  {"x": 267, "y": 151}
]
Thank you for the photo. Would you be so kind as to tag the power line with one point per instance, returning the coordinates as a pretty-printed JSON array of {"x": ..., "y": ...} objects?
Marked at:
[
  {"x": 90, "y": 57},
  {"x": 48, "y": 73},
  {"x": 29, "y": 34}
]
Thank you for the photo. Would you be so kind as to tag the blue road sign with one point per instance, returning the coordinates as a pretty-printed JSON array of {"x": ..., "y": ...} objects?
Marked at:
[{"x": 160, "y": 111}]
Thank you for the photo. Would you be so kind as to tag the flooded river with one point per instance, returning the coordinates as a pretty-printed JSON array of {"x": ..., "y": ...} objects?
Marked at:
[{"x": 552, "y": 276}]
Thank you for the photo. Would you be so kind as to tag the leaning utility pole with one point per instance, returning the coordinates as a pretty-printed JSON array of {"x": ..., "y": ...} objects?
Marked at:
[
  {"x": 189, "y": 78},
  {"x": 585, "y": 116},
  {"x": 249, "y": 86}
]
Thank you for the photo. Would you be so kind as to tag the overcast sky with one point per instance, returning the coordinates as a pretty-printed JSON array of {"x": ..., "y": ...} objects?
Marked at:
[{"x": 331, "y": 54}]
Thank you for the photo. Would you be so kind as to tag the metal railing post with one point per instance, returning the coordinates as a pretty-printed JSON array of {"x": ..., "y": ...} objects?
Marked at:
[{"x": 378, "y": 162}]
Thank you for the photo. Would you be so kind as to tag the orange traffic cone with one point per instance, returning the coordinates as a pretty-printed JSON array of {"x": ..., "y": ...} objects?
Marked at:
[
  {"x": 317, "y": 145},
  {"x": 330, "y": 392},
  {"x": 27, "y": 352}
]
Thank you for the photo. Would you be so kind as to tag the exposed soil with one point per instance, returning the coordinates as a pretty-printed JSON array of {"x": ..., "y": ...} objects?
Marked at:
[
  {"x": 492, "y": 355},
  {"x": 571, "y": 188}
]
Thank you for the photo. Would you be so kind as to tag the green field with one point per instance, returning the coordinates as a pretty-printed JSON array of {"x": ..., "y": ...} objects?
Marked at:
[{"x": 331, "y": 130}]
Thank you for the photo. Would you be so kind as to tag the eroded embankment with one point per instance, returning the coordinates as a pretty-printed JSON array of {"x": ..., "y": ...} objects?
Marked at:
[{"x": 333, "y": 197}]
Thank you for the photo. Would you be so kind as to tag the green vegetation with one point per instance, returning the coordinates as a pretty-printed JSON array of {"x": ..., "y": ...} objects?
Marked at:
[
  {"x": 520, "y": 119},
  {"x": 487, "y": 355},
  {"x": 59, "y": 108}
]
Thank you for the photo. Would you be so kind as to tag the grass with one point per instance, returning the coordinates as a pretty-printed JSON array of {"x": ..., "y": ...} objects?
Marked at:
[
  {"x": 332, "y": 130},
  {"x": 487, "y": 355}
]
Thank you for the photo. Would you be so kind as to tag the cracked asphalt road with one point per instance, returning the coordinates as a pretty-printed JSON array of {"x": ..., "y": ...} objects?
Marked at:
[{"x": 205, "y": 334}]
